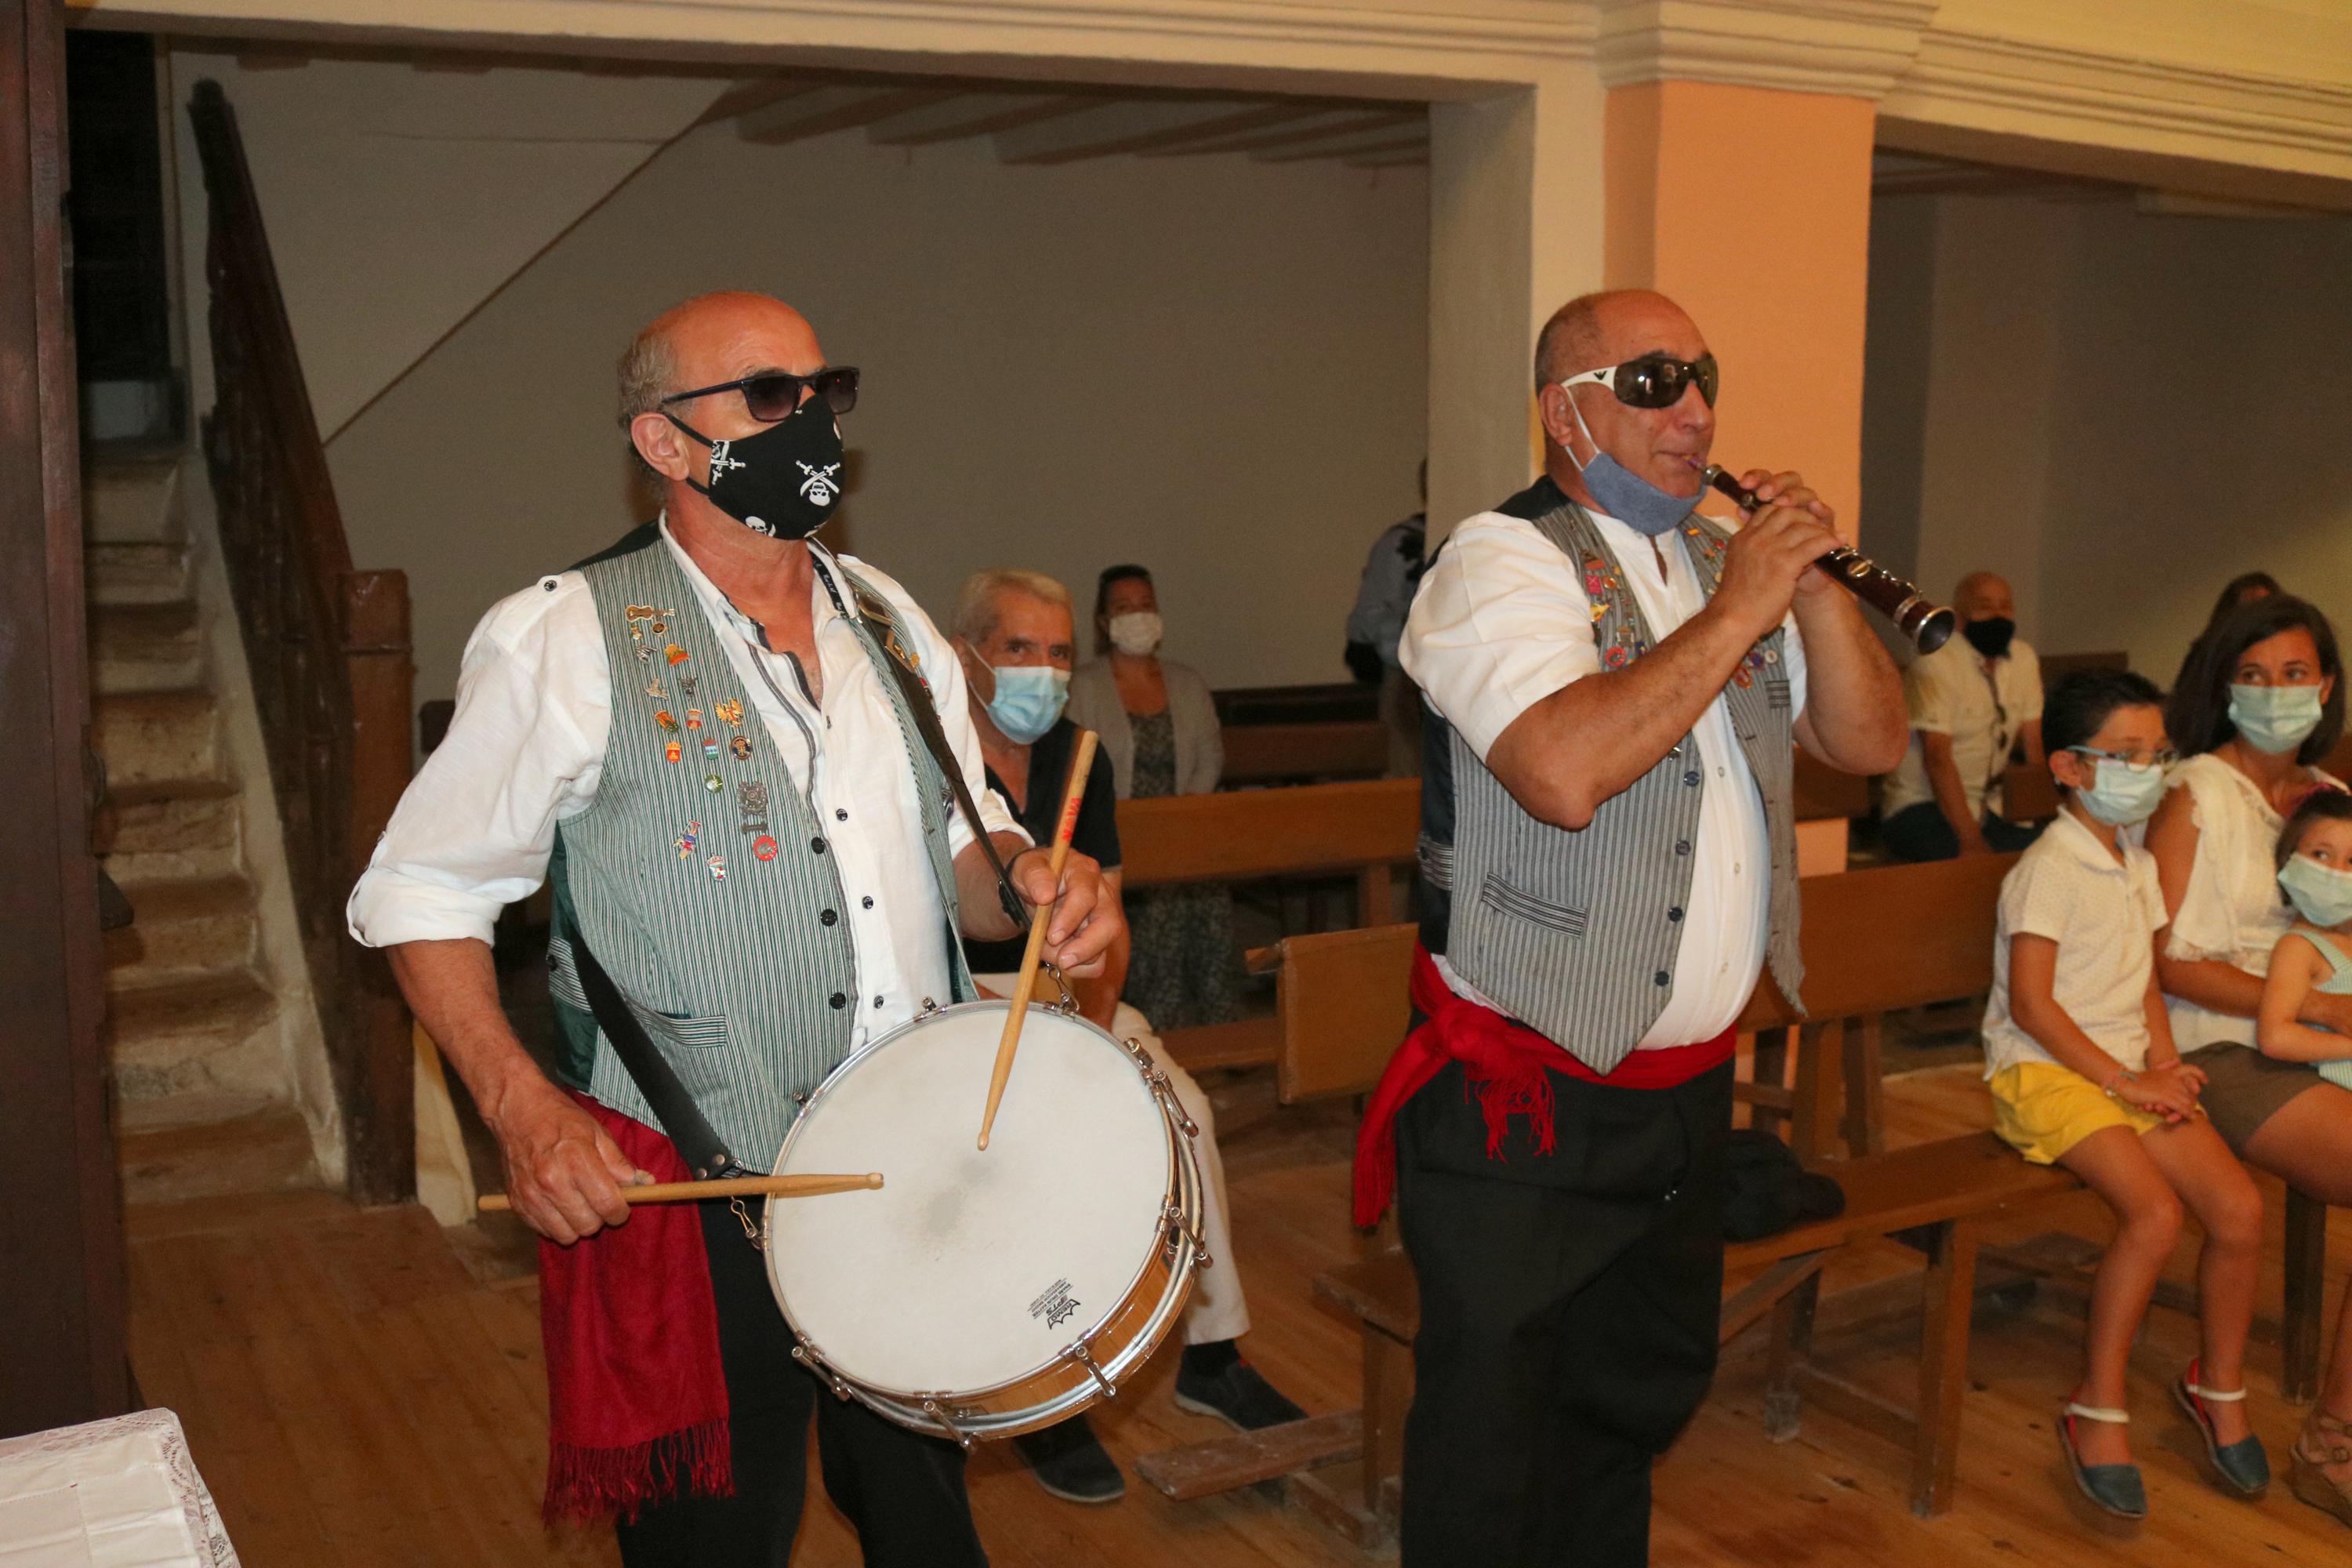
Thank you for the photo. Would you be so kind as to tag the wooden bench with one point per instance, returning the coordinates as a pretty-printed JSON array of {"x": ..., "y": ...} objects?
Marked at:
[
  {"x": 1928, "y": 931},
  {"x": 1341, "y": 1000},
  {"x": 1369, "y": 827}
]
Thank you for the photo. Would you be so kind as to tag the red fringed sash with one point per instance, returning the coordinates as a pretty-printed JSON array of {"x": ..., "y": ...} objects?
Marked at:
[
  {"x": 1509, "y": 1068},
  {"x": 636, "y": 1400}
]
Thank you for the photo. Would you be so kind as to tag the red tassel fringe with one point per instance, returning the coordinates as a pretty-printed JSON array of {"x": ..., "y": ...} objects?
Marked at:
[{"x": 594, "y": 1484}]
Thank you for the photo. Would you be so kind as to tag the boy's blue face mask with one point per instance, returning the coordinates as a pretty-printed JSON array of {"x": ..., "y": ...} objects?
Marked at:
[
  {"x": 1624, "y": 494},
  {"x": 2121, "y": 792},
  {"x": 2275, "y": 719},
  {"x": 2321, "y": 894}
]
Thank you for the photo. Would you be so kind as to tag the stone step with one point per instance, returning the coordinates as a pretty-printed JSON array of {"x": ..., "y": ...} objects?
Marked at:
[
  {"x": 183, "y": 929},
  {"x": 170, "y": 831},
  {"x": 186, "y": 1033},
  {"x": 129, "y": 501},
  {"x": 145, "y": 647},
  {"x": 211, "y": 1144},
  {"x": 135, "y": 573},
  {"x": 147, "y": 737}
]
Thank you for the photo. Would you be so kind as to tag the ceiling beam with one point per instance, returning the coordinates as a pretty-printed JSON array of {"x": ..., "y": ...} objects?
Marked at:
[
  {"x": 1360, "y": 147},
  {"x": 975, "y": 114},
  {"x": 1324, "y": 124},
  {"x": 827, "y": 110},
  {"x": 1113, "y": 128},
  {"x": 746, "y": 95}
]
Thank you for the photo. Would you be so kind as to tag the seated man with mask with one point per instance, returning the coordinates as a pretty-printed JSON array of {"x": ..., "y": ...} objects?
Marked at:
[
  {"x": 1971, "y": 701},
  {"x": 1014, "y": 632}
]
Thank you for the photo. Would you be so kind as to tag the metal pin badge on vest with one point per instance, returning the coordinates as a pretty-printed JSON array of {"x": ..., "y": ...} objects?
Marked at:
[
  {"x": 676, "y": 653},
  {"x": 685, "y": 842},
  {"x": 718, "y": 864},
  {"x": 729, "y": 712}
]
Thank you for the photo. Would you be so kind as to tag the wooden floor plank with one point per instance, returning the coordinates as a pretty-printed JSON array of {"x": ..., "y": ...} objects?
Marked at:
[{"x": 355, "y": 1396}]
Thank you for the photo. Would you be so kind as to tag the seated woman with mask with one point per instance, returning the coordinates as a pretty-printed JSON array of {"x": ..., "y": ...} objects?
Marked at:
[
  {"x": 2261, "y": 703},
  {"x": 1158, "y": 727}
]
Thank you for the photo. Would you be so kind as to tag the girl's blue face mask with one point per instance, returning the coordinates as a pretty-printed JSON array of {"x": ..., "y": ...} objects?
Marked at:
[{"x": 2321, "y": 894}]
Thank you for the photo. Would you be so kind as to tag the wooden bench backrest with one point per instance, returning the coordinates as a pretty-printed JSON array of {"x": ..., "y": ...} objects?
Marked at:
[
  {"x": 1339, "y": 749},
  {"x": 1892, "y": 936},
  {"x": 1238, "y": 835},
  {"x": 1819, "y": 792},
  {"x": 1341, "y": 997}
]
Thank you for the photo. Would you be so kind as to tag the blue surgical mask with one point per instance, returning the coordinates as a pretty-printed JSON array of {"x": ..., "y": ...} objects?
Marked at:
[
  {"x": 1625, "y": 495},
  {"x": 2121, "y": 793},
  {"x": 2275, "y": 719},
  {"x": 1029, "y": 698},
  {"x": 2321, "y": 894}
]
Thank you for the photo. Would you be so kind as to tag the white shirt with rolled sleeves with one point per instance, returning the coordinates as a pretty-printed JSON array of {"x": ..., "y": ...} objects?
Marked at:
[
  {"x": 2104, "y": 914},
  {"x": 526, "y": 748},
  {"x": 1502, "y": 621}
]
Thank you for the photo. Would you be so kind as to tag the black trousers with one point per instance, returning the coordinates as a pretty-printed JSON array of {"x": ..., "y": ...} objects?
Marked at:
[
  {"x": 1919, "y": 832},
  {"x": 1568, "y": 1304},
  {"x": 903, "y": 1492}
]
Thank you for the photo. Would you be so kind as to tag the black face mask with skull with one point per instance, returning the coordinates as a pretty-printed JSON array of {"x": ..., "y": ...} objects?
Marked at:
[{"x": 783, "y": 482}]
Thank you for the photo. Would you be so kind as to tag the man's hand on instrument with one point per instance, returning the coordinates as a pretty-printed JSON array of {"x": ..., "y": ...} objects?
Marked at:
[
  {"x": 1771, "y": 560},
  {"x": 564, "y": 1174},
  {"x": 1086, "y": 918}
]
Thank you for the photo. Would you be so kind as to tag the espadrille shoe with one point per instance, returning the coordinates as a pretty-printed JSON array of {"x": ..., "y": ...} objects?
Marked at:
[{"x": 2115, "y": 1487}]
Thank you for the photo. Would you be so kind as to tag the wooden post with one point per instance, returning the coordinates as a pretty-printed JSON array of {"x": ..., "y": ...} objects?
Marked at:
[
  {"x": 1950, "y": 1299},
  {"x": 1388, "y": 1398},
  {"x": 1820, "y": 1046},
  {"x": 62, "y": 1311},
  {"x": 1866, "y": 1089},
  {"x": 2300, "y": 1320},
  {"x": 1791, "y": 1347},
  {"x": 379, "y": 1068}
]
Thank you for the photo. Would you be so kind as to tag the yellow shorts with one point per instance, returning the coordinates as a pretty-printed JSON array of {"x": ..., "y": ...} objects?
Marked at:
[{"x": 2042, "y": 1110}]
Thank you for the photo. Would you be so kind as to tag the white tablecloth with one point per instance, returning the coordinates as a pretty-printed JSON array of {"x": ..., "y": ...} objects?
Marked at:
[{"x": 122, "y": 1493}]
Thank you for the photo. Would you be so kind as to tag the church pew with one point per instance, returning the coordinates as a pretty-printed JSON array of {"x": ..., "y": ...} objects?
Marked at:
[{"x": 1343, "y": 1005}]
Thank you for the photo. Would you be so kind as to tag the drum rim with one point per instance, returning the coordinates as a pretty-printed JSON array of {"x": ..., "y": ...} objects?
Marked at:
[{"x": 1171, "y": 1135}]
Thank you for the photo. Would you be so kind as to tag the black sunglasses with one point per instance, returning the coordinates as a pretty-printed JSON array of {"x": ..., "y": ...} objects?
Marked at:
[
  {"x": 1654, "y": 381},
  {"x": 771, "y": 394}
]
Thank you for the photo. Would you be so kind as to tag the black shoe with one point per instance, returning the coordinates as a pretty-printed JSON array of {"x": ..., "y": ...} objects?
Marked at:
[
  {"x": 1236, "y": 1395},
  {"x": 1070, "y": 1463}
]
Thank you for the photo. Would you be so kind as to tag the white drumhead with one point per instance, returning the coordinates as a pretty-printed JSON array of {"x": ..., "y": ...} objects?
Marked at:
[{"x": 968, "y": 1269}]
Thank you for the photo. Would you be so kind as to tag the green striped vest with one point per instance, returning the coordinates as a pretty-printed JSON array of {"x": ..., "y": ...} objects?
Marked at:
[{"x": 700, "y": 875}]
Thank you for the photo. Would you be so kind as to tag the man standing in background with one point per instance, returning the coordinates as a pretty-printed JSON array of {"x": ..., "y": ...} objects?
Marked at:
[
  {"x": 1391, "y": 574},
  {"x": 1971, "y": 701}
]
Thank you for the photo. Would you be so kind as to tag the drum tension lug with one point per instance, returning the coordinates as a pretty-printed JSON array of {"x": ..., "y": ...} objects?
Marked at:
[
  {"x": 932, "y": 1408},
  {"x": 753, "y": 1232},
  {"x": 1084, "y": 1358},
  {"x": 816, "y": 1363}
]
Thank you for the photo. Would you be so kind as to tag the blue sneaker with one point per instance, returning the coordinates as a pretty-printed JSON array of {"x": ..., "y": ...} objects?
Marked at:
[{"x": 2243, "y": 1466}]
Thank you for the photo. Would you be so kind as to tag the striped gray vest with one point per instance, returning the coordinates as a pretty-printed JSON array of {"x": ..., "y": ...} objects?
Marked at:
[
  {"x": 1577, "y": 935},
  {"x": 701, "y": 877}
]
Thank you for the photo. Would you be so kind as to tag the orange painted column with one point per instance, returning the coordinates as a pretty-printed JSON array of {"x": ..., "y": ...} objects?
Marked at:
[{"x": 1750, "y": 207}]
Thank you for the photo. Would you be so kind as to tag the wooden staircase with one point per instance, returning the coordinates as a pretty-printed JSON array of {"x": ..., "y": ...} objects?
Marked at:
[{"x": 203, "y": 1074}]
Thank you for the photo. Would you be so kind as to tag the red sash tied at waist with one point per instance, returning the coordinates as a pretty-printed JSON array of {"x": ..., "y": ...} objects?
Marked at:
[{"x": 1508, "y": 1066}]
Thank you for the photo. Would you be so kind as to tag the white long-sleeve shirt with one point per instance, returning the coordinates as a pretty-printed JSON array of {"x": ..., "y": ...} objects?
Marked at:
[{"x": 526, "y": 748}]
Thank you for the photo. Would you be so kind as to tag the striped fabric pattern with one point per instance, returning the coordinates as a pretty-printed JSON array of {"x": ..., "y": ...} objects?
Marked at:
[
  {"x": 1577, "y": 935},
  {"x": 741, "y": 983}
]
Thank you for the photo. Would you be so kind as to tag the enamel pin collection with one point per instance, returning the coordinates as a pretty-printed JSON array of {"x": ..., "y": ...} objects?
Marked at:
[{"x": 703, "y": 727}]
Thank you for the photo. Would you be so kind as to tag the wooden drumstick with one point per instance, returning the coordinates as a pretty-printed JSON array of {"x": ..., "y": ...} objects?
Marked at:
[
  {"x": 1081, "y": 764},
  {"x": 725, "y": 1187}
]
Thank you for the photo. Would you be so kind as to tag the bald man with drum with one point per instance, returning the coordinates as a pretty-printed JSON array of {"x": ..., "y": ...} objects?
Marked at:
[{"x": 697, "y": 737}]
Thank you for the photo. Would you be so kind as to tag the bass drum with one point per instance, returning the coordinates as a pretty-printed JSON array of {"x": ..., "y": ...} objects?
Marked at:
[{"x": 980, "y": 1295}]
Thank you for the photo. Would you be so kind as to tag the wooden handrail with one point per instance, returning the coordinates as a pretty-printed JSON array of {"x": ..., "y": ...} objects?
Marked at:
[{"x": 329, "y": 650}]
